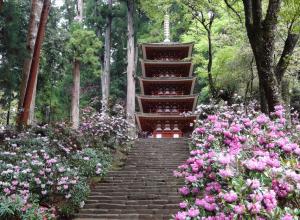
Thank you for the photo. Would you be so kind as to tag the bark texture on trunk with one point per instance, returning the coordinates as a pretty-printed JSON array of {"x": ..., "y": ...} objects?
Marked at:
[
  {"x": 284, "y": 61},
  {"x": 262, "y": 99},
  {"x": 75, "y": 95},
  {"x": 209, "y": 64},
  {"x": 24, "y": 115},
  {"x": 1, "y": 4},
  {"x": 35, "y": 15},
  {"x": 286, "y": 96},
  {"x": 80, "y": 10},
  {"x": 261, "y": 34},
  {"x": 130, "y": 105},
  {"x": 105, "y": 79}
]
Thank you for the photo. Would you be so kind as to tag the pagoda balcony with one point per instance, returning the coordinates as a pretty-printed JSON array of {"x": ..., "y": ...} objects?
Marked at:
[
  {"x": 167, "y": 86},
  {"x": 166, "y": 69},
  {"x": 167, "y": 104},
  {"x": 166, "y": 126}
]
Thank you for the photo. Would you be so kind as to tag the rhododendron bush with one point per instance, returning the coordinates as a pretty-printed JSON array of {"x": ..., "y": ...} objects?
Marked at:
[
  {"x": 46, "y": 168},
  {"x": 109, "y": 129},
  {"x": 242, "y": 166}
]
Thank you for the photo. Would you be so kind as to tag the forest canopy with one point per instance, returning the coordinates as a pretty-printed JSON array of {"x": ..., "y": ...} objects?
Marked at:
[{"x": 232, "y": 45}]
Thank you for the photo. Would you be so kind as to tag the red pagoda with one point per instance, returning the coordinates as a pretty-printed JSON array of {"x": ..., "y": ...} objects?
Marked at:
[{"x": 167, "y": 100}]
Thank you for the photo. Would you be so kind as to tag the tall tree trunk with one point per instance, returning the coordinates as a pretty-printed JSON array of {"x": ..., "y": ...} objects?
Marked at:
[
  {"x": 75, "y": 95},
  {"x": 130, "y": 107},
  {"x": 105, "y": 79},
  {"x": 76, "y": 78},
  {"x": 261, "y": 34},
  {"x": 24, "y": 115},
  {"x": 35, "y": 14},
  {"x": 262, "y": 99},
  {"x": 9, "y": 109},
  {"x": 286, "y": 96},
  {"x": 261, "y": 29},
  {"x": 209, "y": 64},
  {"x": 80, "y": 10},
  {"x": 1, "y": 4}
]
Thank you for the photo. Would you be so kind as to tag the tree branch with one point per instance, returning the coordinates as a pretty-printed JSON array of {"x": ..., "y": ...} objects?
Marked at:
[
  {"x": 256, "y": 12},
  {"x": 248, "y": 14},
  {"x": 234, "y": 11},
  {"x": 288, "y": 49},
  {"x": 272, "y": 12}
]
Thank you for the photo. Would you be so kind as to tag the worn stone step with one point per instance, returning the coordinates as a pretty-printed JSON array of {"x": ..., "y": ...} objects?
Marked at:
[
  {"x": 129, "y": 211},
  {"x": 144, "y": 188},
  {"x": 131, "y": 197},
  {"x": 123, "y": 205},
  {"x": 95, "y": 200},
  {"x": 122, "y": 217}
]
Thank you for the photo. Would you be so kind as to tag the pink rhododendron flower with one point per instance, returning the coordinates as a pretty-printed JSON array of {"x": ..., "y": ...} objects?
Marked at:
[
  {"x": 226, "y": 173},
  {"x": 239, "y": 209},
  {"x": 184, "y": 190},
  {"x": 191, "y": 179},
  {"x": 230, "y": 197},
  {"x": 183, "y": 205},
  {"x": 287, "y": 217},
  {"x": 253, "y": 184},
  {"x": 181, "y": 216},
  {"x": 193, "y": 212}
]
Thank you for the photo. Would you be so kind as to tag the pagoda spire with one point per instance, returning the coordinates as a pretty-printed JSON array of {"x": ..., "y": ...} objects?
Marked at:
[{"x": 167, "y": 27}]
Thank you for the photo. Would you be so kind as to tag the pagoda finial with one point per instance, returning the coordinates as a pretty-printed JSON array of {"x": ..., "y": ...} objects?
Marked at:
[{"x": 167, "y": 27}]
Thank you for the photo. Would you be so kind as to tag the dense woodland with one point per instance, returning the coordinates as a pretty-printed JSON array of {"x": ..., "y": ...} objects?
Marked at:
[
  {"x": 68, "y": 79},
  {"x": 233, "y": 43}
]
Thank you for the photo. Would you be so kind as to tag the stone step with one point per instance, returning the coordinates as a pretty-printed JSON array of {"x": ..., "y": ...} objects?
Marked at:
[
  {"x": 144, "y": 188},
  {"x": 122, "y": 217},
  {"x": 142, "y": 183},
  {"x": 130, "y": 187},
  {"x": 137, "y": 194},
  {"x": 129, "y": 206},
  {"x": 131, "y": 197},
  {"x": 159, "y": 210},
  {"x": 95, "y": 200}
]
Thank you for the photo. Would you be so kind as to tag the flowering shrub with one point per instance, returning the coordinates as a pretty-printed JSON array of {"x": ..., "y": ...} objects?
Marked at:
[
  {"x": 46, "y": 168},
  {"x": 109, "y": 129},
  {"x": 242, "y": 166}
]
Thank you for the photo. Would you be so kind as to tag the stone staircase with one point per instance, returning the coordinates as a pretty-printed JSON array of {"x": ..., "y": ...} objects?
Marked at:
[{"x": 144, "y": 188}]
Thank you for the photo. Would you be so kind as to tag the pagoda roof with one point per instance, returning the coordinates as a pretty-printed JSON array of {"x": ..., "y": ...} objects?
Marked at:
[
  {"x": 183, "y": 50},
  {"x": 146, "y": 121},
  {"x": 163, "y": 80},
  {"x": 191, "y": 99},
  {"x": 168, "y": 44},
  {"x": 175, "y": 97},
  {"x": 187, "y": 66}
]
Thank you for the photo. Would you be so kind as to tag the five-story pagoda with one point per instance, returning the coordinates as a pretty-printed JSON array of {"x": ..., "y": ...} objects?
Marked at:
[{"x": 167, "y": 100}]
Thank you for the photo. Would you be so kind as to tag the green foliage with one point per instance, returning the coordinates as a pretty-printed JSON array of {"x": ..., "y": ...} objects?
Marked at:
[
  {"x": 84, "y": 45},
  {"x": 9, "y": 208},
  {"x": 290, "y": 13},
  {"x": 13, "y": 28},
  {"x": 15, "y": 209}
]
